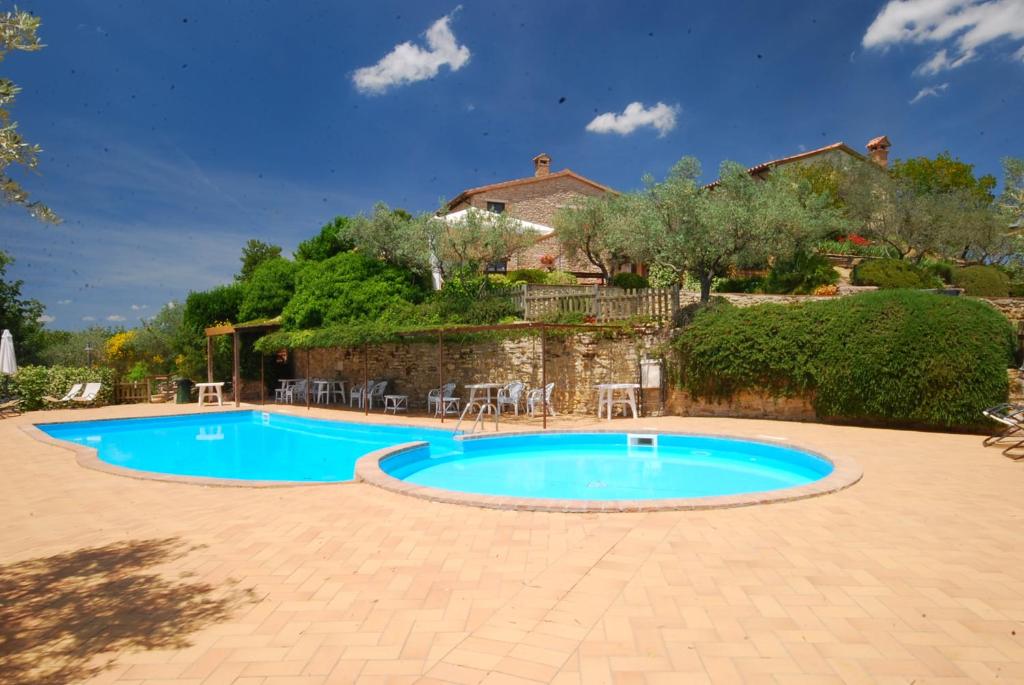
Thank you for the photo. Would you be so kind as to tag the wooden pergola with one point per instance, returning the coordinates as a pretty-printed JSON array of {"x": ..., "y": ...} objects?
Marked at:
[{"x": 236, "y": 330}]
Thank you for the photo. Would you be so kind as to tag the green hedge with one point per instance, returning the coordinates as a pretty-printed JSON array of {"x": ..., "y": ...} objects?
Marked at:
[
  {"x": 982, "y": 281},
  {"x": 890, "y": 274},
  {"x": 32, "y": 383},
  {"x": 629, "y": 281},
  {"x": 901, "y": 358}
]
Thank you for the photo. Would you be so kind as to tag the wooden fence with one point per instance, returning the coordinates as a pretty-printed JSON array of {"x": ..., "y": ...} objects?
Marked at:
[
  {"x": 599, "y": 303},
  {"x": 152, "y": 389}
]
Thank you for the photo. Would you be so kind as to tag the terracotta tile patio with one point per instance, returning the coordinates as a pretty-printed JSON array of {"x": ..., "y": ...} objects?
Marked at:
[{"x": 915, "y": 574}]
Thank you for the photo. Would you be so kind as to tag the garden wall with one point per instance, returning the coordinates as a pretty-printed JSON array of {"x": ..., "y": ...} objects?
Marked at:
[{"x": 575, "y": 364}]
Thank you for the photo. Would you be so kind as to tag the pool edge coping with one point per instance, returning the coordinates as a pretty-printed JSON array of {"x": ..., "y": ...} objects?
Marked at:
[{"x": 845, "y": 473}]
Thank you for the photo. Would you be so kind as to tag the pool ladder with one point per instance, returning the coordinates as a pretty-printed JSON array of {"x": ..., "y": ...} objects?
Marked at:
[{"x": 479, "y": 421}]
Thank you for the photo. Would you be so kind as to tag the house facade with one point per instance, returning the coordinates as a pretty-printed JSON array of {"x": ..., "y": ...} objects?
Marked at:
[{"x": 536, "y": 199}]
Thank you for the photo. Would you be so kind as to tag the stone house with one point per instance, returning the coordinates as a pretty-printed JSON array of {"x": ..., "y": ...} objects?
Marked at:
[
  {"x": 877, "y": 152},
  {"x": 535, "y": 200}
]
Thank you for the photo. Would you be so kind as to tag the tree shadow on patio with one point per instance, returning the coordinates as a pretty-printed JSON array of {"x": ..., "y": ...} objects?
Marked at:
[{"x": 63, "y": 617}]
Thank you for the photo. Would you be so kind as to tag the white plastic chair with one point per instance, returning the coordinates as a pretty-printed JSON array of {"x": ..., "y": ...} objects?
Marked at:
[
  {"x": 376, "y": 393},
  {"x": 433, "y": 397},
  {"x": 510, "y": 395},
  {"x": 538, "y": 398},
  {"x": 296, "y": 392}
]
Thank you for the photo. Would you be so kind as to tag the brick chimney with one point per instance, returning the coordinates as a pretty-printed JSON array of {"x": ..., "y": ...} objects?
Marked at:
[
  {"x": 541, "y": 165},
  {"x": 878, "y": 150}
]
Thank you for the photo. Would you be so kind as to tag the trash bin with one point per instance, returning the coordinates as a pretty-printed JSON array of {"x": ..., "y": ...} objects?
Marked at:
[{"x": 184, "y": 395}]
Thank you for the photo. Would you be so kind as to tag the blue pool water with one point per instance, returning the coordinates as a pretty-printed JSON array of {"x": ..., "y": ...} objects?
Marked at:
[
  {"x": 603, "y": 466},
  {"x": 241, "y": 445},
  {"x": 252, "y": 445}
]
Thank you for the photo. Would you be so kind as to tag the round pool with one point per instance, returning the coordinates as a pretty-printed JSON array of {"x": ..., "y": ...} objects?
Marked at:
[{"x": 595, "y": 468}]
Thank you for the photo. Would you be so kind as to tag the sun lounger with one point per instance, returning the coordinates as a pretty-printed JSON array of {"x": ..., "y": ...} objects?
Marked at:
[
  {"x": 1010, "y": 416},
  {"x": 70, "y": 395},
  {"x": 8, "y": 406},
  {"x": 89, "y": 395}
]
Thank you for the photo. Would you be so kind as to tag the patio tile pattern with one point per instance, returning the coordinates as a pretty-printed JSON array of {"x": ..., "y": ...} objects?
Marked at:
[{"x": 914, "y": 574}]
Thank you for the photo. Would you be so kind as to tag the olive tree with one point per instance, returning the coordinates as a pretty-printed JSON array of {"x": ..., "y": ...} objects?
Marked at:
[
  {"x": 18, "y": 31},
  {"x": 736, "y": 221},
  {"x": 474, "y": 240},
  {"x": 600, "y": 229}
]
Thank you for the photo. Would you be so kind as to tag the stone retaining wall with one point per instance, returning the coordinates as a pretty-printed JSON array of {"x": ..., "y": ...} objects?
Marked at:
[{"x": 575, "y": 364}]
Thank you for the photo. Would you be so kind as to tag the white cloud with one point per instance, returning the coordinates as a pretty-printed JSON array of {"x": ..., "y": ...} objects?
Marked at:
[
  {"x": 964, "y": 25},
  {"x": 929, "y": 92},
  {"x": 115, "y": 317},
  {"x": 661, "y": 117},
  {"x": 63, "y": 301},
  {"x": 138, "y": 307},
  {"x": 46, "y": 318},
  {"x": 88, "y": 318},
  {"x": 409, "y": 63}
]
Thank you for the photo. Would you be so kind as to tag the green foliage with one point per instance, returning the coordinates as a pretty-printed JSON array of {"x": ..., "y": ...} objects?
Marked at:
[
  {"x": 943, "y": 271},
  {"x": 661, "y": 276},
  {"x": 32, "y": 383},
  {"x": 333, "y": 238},
  {"x": 629, "y": 281},
  {"x": 138, "y": 372},
  {"x": 899, "y": 358},
  {"x": 564, "y": 318},
  {"x": 847, "y": 247},
  {"x": 945, "y": 174},
  {"x": 739, "y": 284},
  {"x": 560, "y": 278},
  {"x": 601, "y": 229},
  {"x": 982, "y": 281},
  {"x": 533, "y": 276},
  {"x": 268, "y": 289},
  {"x": 347, "y": 287},
  {"x": 159, "y": 340},
  {"x": 20, "y": 315},
  {"x": 469, "y": 299},
  {"x": 67, "y": 348},
  {"x": 891, "y": 273},
  {"x": 800, "y": 273},
  {"x": 209, "y": 307},
  {"x": 473, "y": 241},
  {"x": 18, "y": 31},
  {"x": 254, "y": 253}
]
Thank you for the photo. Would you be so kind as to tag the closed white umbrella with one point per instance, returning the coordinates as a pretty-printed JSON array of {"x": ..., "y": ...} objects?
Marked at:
[{"x": 8, "y": 364}]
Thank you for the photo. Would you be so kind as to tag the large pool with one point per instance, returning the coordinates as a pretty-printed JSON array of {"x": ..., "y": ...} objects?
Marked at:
[
  {"x": 241, "y": 445},
  {"x": 259, "y": 446}
]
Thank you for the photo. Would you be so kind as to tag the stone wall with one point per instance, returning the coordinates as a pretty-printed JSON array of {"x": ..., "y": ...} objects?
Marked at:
[
  {"x": 575, "y": 364},
  {"x": 746, "y": 404}
]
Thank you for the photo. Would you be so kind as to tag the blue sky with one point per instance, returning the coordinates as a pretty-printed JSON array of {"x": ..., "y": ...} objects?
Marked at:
[{"x": 173, "y": 132}]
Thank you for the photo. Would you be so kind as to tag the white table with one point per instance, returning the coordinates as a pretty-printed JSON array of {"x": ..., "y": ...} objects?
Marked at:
[
  {"x": 396, "y": 403},
  {"x": 328, "y": 389},
  {"x": 606, "y": 397},
  {"x": 486, "y": 400},
  {"x": 211, "y": 391}
]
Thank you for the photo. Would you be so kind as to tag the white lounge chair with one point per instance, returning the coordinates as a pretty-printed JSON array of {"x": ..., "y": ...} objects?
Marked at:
[
  {"x": 511, "y": 395},
  {"x": 90, "y": 394},
  {"x": 442, "y": 399},
  {"x": 70, "y": 395},
  {"x": 538, "y": 398}
]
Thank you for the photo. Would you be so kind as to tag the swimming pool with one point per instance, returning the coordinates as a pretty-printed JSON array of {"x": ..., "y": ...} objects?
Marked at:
[
  {"x": 564, "y": 471},
  {"x": 608, "y": 466},
  {"x": 241, "y": 445}
]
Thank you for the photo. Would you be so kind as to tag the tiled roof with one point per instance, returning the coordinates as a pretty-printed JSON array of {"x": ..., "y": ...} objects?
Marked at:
[
  {"x": 564, "y": 173},
  {"x": 765, "y": 166}
]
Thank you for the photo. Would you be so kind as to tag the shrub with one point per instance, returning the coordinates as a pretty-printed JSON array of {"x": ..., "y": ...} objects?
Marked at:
[
  {"x": 560, "y": 278},
  {"x": 800, "y": 274},
  {"x": 1017, "y": 289},
  {"x": 899, "y": 358},
  {"x": 347, "y": 287},
  {"x": 940, "y": 270},
  {"x": 268, "y": 289},
  {"x": 628, "y": 281},
  {"x": 661, "y": 276},
  {"x": 531, "y": 276},
  {"x": 739, "y": 284},
  {"x": 470, "y": 299},
  {"x": 32, "y": 383},
  {"x": 982, "y": 281},
  {"x": 889, "y": 274}
]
